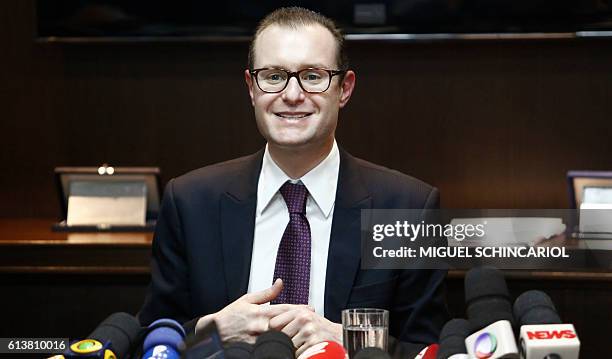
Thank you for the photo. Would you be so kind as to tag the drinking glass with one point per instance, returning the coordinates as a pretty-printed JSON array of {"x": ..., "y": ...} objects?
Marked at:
[{"x": 363, "y": 328}]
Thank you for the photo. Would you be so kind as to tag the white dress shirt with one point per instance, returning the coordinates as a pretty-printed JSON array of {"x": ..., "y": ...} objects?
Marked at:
[{"x": 272, "y": 217}]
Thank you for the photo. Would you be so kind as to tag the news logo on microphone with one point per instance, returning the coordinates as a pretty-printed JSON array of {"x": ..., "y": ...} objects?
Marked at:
[{"x": 539, "y": 341}]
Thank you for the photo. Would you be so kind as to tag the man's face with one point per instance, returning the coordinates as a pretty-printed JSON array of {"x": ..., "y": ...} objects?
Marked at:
[{"x": 294, "y": 118}]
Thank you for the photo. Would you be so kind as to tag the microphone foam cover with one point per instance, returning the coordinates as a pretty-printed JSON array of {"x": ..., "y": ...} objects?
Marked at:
[
  {"x": 455, "y": 328},
  {"x": 488, "y": 310},
  {"x": 238, "y": 350},
  {"x": 540, "y": 316},
  {"x": 162, "y": 336},
  {"x": 535, "y": 307},
  {"x": 121, "y": 330},
  {"x": 371, "y": 353},
  {"x": 450, "y": 346},
  {"x": 273, "y": 345},
  {"x": 169, "y": 323},
  {"x": 164, "y": 331},
  {"x": 483, "y": 282},
  {"x": 452, "y": 338}
]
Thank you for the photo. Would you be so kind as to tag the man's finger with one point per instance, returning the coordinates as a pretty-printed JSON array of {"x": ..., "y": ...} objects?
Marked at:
[
  {"x": 301, "y": 344},
  {"x": 293, "y": 325},
  {"x": 274, "y": 310},
  {"x": 265, "y": 295},
  {"x": 281, "y": 320}
]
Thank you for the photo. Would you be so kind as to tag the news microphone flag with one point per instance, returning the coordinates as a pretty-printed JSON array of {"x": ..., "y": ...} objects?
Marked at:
[{"x": 542, "y": 335}]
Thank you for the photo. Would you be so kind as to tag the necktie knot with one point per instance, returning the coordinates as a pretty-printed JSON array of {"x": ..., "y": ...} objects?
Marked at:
[{"x": 295, "y": 197}]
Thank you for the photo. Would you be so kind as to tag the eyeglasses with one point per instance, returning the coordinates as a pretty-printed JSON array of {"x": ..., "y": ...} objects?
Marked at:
[{"x": 311, "y": 80}]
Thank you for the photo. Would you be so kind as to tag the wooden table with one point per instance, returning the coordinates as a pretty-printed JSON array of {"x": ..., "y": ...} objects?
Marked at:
[{"x": 29, "y": 246}]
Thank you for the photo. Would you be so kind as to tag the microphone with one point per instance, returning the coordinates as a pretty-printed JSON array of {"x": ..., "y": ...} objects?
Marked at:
[
  {"x": 238, "y": 350},
  {"x": 542, "y": 334},
  {"x": 204, "y": 344},
  {"x": 490, "y": 315},
  {"x": 372, "y": 353},
  {"x": 325, "y": 350},
  {"x": 273, "y": 345},
  {"x": 112, "y": 339},
  {"x": 163, "y": 339},
  {"x": 429, "y": 352},
  {"x": 452, "y": 339}
]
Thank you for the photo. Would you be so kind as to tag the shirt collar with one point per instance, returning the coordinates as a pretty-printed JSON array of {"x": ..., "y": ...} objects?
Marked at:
[{"x": 321, "y": 181}]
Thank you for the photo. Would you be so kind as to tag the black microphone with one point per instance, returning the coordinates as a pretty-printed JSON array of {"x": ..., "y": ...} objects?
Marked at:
[
  {"x": 490, "y": 314},
  {"x": 452, "y": 339},
  {"x": 113, "y": 338},
  {"x": 273, "y": 345},
  {"x": 486, "y": 297},
  {"x": 542, "y": 334},
  {"x": 535, "y": 307},
  {"x": 238, "y": 350},
  {"x": 372, "y": 353}
]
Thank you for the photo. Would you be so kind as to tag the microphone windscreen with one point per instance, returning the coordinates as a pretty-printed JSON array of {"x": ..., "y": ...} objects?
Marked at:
[
  {"x": 455, "y": 328},
  {"x": 483, "y": 282},
  {"x": 238, "y": 350},
  {"x": 121, "y": 330},
  {"x": 371, "y": 353},
  {"x": 485, "y": 311},
  {"x": 164, "y": 332},
  {"x": 487, "y": 297},
  {"x": 452, "y": 338},
  {"x": 535, "y": 307},
  {"x": 273, "y": 345},
  {"x": 540, "y": 316}
]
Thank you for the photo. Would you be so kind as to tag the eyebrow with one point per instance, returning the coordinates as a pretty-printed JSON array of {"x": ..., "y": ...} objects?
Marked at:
[{"x": 302, "y": 66}]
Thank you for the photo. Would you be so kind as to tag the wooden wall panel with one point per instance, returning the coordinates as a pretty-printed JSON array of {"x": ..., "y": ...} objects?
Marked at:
[{"x": 492, "y": 124}]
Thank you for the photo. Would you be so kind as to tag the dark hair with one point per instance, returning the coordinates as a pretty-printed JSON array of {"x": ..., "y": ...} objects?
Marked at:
[{"x": 295, "y": 17}]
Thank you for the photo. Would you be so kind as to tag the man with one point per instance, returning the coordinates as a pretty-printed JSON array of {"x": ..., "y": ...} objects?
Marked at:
[{"x": 289, "y": 214}]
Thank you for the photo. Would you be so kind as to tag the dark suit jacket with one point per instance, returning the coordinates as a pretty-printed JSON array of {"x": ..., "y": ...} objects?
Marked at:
[{"x": 204, "y": 239}]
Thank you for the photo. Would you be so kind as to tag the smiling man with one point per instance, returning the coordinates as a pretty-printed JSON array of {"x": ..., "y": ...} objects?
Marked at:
[{"x": 272, "y": 240}]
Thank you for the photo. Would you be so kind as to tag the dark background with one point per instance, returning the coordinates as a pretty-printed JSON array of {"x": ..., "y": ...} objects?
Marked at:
[{"x": 492, "y": 124}]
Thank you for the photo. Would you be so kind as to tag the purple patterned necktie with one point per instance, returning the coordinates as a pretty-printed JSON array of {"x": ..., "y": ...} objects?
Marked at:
[{"x": 293, "y": 257}]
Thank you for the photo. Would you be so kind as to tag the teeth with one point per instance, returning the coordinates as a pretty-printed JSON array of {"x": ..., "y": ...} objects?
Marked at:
[{"x": 292, "y": 116}]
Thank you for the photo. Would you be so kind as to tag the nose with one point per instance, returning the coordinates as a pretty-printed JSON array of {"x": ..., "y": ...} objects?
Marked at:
[{"x": 293, "y": 93}]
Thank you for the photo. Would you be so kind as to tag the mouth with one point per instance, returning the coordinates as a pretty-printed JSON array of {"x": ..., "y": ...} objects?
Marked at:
[{"x": 293, "y": 115}]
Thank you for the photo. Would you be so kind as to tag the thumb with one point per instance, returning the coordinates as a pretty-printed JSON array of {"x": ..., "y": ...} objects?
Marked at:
[{"x": 265, "y": 295}]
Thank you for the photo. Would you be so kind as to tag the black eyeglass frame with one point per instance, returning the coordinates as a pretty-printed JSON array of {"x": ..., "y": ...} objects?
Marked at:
[{"x": 295, "y": 74}]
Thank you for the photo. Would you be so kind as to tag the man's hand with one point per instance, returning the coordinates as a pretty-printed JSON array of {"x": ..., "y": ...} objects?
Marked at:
[
  {"x": 244, "y": 319},
  {"x": 305, "y": 327}
]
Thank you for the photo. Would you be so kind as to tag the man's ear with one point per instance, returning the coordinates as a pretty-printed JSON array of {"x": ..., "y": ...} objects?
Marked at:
[
  {"x": 249, "y": 82},
  {"x": 347, "y": 87}
]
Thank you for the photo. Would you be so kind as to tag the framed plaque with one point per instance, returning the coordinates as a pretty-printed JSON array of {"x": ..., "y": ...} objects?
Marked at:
[
  {"x": 590, "y": 194},
  {"x": 108, "y": 198}
]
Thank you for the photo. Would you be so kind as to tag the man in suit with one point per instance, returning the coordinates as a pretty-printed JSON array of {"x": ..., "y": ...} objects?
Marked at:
[{"x": 283, "y": 225}]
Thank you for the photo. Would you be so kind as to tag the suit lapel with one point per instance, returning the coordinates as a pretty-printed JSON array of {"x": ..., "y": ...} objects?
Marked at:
[
  {"x": 345, "y": 243},
  {"x": 237, "y": 216}
]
